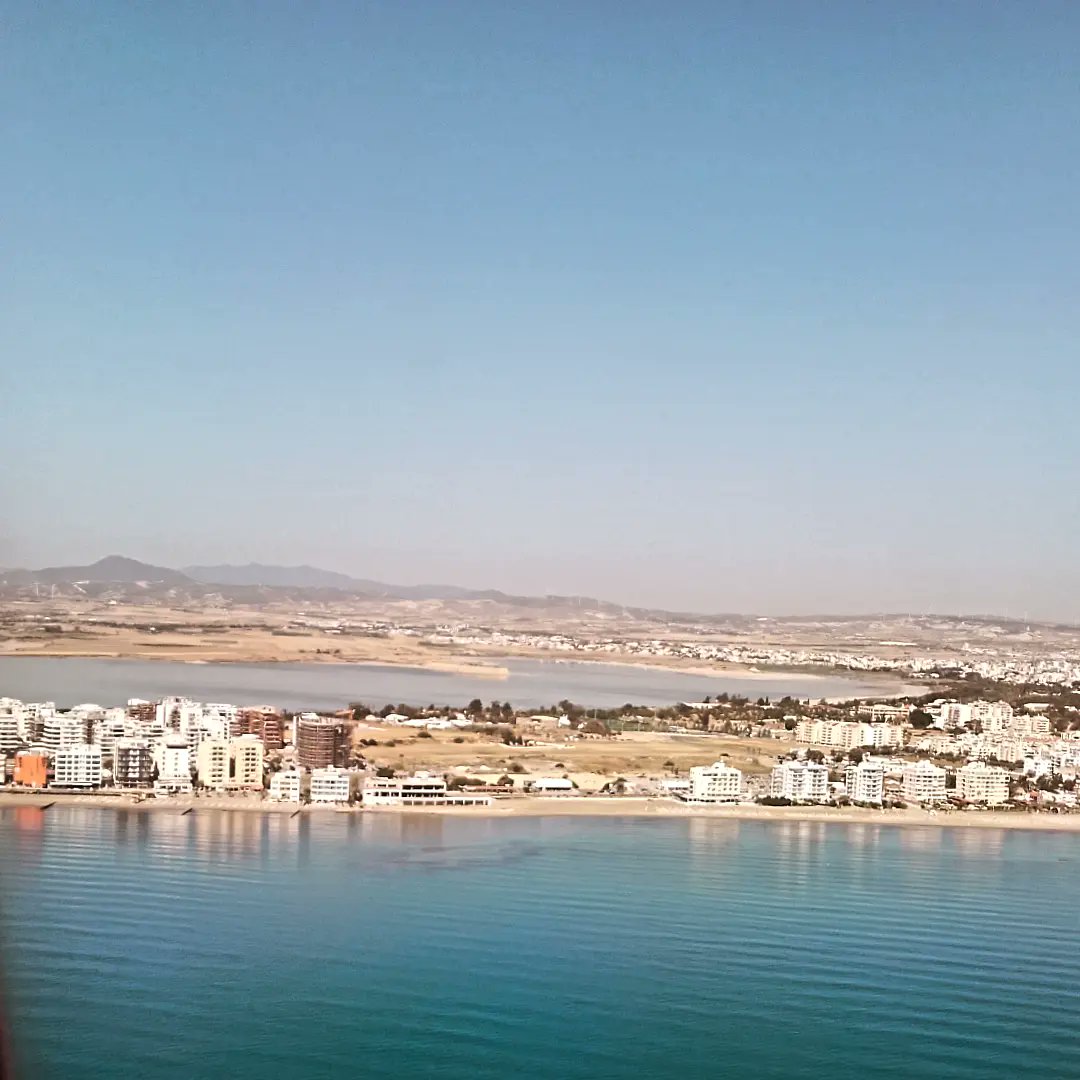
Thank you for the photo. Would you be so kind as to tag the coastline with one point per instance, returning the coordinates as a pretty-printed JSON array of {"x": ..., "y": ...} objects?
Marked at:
[
  {"x": 570, "y": 806},
  {"x": 480, "y": 669},
  {"x": 487, "y": 666}
]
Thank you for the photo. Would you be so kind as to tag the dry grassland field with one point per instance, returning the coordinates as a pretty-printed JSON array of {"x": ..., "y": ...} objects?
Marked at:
[{"x": 589, "y": 761}]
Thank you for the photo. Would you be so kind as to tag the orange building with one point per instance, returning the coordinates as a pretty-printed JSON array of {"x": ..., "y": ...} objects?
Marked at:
[{"x": 31, "y": 770}]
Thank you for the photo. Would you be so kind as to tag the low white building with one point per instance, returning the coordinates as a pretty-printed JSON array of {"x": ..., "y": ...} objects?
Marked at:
[
  {"x": 923, "y": 782},
  {"x": 984, "y": 784},
  {"x": 716, "y": 783},
  {"x": 77, "y": 766},
  {"x": 865, "y": 782},
  {"x": 675, "y": 785},
  {"x": 421, "y": 789},
  {"x": 330, "y": 785},
  {"x": 800, "y": 781},
  {"x": 552, "y": 785},
  {"x": 285, "y": 786}
]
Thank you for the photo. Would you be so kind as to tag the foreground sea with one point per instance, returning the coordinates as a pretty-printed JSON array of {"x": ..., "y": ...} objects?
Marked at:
[{"x": 242, "y": 945}]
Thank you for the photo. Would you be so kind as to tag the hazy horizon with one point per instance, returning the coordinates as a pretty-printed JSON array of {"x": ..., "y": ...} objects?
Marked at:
[
  {"x": 763, "y": 309},
  {"x": 414, "y": 582}
]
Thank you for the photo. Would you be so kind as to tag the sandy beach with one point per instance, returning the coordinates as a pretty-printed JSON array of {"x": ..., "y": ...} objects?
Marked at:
[{"x": 570, "y": 806}]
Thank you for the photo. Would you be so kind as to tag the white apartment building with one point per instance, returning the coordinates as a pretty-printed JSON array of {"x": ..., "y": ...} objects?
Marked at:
[
  {"x": 212, "y": 763},
  {"x": 113, "y": 724},
  {"x": 885, "y": 714},
  {"x": 173, "y": 759},
  {"x": 421, "y": 789},
  {"x": 865, "y": 782},
  {"x": 924, "y": 782},
  {"x": 800, "y": 781},
  {"x": 955, "y": 714},
  {"x": 63, "y": 730},
  {"x": 246, "y": 753},
  {"x": 716, "y": 783},
  {"x": 809, "y": 731},
  {"x": 849, "y": 734},
  {"x": 994, "y": 716},
  {"x": 10, "y": 726},
  {"x": 980, "y": 783},
  {"x": 285, "y": 786},
  {"x": 1031, "y": 725},
  {"x": 330, "y": 785},
  {"x": 77, "y": 767}
]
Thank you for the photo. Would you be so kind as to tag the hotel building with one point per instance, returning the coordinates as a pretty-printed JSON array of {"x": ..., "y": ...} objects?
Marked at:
[
  {"x": 979, "y": 783},
  {"x": 800, "y": 781},
  {"x": 716, "y": 783},
  {"x": 77, "y": 767},
  {"x": 924, "y": 782},
  {"x": 865, "y": 782}
]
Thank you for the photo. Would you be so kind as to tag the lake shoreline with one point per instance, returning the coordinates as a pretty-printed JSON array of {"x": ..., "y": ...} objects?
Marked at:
[{"x": 570, "y": 806}]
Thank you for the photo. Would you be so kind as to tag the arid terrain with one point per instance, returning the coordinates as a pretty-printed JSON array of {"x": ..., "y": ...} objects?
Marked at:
[
  {"x": 589, "y": 762},
  {"x": 173, "y": 617}
]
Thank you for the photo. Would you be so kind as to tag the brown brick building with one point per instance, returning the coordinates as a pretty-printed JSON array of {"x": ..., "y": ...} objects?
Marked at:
[{"x": 321, "y": 742}]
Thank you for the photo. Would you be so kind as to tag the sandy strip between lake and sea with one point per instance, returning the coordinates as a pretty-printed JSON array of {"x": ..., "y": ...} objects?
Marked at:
[{"x": 582, "y": 806}]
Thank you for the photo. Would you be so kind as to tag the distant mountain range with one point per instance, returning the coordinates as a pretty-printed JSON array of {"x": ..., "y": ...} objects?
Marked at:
[
  {"x": 312, "y": 577},
  {"x": 118, "y": 577},
  {"x": 118, "y": 570},
  {"x": 112, "y": 569}
]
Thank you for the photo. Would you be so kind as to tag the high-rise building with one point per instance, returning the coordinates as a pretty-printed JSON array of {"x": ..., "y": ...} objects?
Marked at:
[
  {"x": 174, "y": 766},
  {"x": 61, "y": 730},
  {"x": 800, "y": 781},
  {"x": 212, "y": 763},
  {"x": 246, "y": 753},
  {"x": 265, "y": 722},
  {"x": 865, "y": 782},
  {"x": 133, "y": 763},
  {"x": 10, "y": 736},
  {"x": 321, "y": 742}
]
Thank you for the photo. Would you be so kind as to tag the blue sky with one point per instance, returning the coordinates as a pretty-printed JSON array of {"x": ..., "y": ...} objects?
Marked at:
[{"x": 758, "y": 307}]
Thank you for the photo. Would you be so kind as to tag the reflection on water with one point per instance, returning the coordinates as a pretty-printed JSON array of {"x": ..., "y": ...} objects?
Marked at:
[
  {"x": 978, "y": 841},
  {"x": 920, "y": 839},
  {"x": 501, "y": 947}
]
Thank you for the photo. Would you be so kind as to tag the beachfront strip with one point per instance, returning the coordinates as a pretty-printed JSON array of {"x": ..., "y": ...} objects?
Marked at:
[{"x": 943, "y": 753}]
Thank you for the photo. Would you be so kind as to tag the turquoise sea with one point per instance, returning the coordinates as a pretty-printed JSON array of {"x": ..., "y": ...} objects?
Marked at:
[{"x": 242, "y": 945}]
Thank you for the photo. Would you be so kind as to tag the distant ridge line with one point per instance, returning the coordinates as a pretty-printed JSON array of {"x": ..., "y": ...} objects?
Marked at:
[{"x": 253, "y": 579}]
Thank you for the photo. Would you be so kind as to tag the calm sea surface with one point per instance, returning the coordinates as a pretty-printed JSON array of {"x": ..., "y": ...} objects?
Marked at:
[
  {"x": 531, "y": 683},
  {"x": 239, "y": 945}
]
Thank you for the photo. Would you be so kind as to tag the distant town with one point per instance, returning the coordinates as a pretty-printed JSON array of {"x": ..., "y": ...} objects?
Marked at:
[{"x": 1017, "y": 750}]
